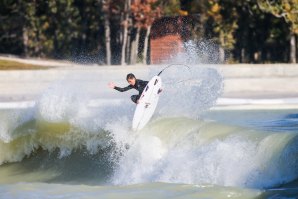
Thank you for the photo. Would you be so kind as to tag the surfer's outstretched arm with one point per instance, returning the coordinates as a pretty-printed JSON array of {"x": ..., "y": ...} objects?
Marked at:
[
  {"x": 123, "y": 89},
  {"x": 112, "y": 85}
]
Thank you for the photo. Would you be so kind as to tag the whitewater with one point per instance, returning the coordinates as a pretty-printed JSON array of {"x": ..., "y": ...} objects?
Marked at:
[{"x": 76, "y": 141}]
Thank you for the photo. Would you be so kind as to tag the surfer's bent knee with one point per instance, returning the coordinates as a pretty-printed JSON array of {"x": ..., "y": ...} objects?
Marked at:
[{"x": 134, "y": 98}]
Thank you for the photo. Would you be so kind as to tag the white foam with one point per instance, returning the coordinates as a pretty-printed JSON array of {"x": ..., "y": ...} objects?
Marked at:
[{"x": 233, "y": 160}]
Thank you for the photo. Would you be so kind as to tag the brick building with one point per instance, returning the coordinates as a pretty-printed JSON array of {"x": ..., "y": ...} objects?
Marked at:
[{"x": 167, "y": 37}]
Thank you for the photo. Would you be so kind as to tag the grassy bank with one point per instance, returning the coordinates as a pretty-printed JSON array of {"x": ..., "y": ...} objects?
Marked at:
[{"x": 14, "y": 65}]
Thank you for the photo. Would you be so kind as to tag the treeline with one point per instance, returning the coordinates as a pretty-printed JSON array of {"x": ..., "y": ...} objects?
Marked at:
[{"x": 118, "y": 31}]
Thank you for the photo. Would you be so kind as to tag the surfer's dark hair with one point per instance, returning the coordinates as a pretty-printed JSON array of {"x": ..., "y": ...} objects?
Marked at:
[{"x": 130, "y": 76}]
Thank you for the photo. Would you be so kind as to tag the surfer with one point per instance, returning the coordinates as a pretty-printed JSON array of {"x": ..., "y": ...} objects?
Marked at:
[{"x": 137, "y": 84}]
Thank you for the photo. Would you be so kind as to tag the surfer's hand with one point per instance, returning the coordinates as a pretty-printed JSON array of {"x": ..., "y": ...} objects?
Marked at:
[{"x": 111, "y": 85}]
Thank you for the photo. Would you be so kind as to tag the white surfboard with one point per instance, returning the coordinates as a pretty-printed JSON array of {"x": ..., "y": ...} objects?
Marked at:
[{"x": 147, "y": 103}]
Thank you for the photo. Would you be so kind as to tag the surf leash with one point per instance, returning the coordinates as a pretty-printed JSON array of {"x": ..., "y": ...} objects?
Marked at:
[{"x": 171, "y": 65}]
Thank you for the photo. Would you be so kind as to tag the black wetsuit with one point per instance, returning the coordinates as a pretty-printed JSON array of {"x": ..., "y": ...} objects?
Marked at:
[{"x": 139, "y": 86}]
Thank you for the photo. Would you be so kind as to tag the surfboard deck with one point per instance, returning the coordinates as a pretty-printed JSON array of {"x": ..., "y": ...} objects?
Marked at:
[{"x": 147, "y": 104}]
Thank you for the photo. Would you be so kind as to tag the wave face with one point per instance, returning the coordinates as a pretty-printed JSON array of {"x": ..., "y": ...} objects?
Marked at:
[{"x": 66, "y": 138}]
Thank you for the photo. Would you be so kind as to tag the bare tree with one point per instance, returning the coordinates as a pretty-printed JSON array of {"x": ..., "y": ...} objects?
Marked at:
[
  {"x": 105, "y": 5},
  {"x": 135, "y": 47},
  {"x": 293, "y": 48},
  {"x": 146, "y": 44},
  {"x": 125, "y": 24}
]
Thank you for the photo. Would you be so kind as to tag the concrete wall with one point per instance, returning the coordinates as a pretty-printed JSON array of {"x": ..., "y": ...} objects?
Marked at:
[
  {"x": 259, "y": 70},
  {"x": 241, "y": 81},
  {"x": 260, "y": 81}
]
